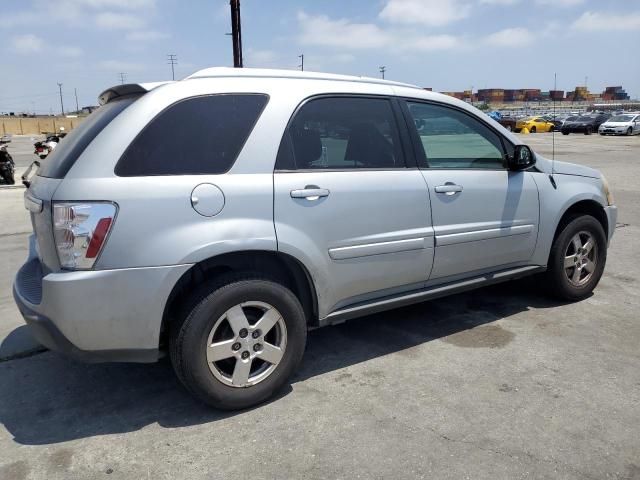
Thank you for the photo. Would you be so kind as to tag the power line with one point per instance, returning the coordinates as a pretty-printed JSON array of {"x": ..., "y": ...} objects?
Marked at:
[
  {"x": 173, "y": 60},
  {"x": 61, "y": 104},
  {"x": 123, "y": 76},
  {"x": 382, "y": 70}
]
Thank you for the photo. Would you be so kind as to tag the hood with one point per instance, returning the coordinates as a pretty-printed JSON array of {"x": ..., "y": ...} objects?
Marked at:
[{"x": 565, "y": 168}]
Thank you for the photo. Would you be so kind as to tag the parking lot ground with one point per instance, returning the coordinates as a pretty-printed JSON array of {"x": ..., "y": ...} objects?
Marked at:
[{"x": 497, "y": 383}]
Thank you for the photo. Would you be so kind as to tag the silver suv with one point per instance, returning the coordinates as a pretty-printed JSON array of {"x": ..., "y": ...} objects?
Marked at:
[{"x": 222, "y": 216}]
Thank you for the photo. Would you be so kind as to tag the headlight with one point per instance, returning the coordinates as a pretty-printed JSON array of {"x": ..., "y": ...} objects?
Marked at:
[{"x": 607, "y": 190}]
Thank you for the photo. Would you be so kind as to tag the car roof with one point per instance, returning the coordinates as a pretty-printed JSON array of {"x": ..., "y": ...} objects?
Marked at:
[{"x": 218, "y": 72}]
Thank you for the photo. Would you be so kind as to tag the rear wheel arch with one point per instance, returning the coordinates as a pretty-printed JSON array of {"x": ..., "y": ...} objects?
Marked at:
[{"x": 277, "y": 266}]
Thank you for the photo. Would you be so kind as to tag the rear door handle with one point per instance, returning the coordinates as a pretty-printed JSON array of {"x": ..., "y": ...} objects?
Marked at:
[
  {"x": 310, "y": 192},
  {"x": 448, "y": 188}
]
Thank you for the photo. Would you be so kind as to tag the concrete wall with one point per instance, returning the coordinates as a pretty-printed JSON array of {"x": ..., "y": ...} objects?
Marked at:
[{"x": 35, "y": 126}]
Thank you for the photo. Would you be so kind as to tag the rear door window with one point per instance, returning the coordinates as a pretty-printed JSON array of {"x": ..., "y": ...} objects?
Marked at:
[
  {"x": 60, "y": 160},
  {"x": 199, "y": 135}
]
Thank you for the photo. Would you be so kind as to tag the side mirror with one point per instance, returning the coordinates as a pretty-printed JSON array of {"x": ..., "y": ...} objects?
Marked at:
[{"x": 523, "y": 158}]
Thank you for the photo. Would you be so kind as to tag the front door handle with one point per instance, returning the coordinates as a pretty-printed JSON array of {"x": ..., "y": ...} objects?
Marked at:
[
  {"x": 310, "y": 192},
  {"x": 449, "y": 188}
]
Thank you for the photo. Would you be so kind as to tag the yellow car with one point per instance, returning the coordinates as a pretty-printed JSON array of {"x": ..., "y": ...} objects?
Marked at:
[{"x": 534, "y": 124}]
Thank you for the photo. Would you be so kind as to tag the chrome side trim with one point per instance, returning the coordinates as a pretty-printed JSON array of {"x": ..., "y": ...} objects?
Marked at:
[
  {"x": 355, "y": 251},
  {"x": 31, "y": 203},
  {"x": 463, "y": 237},
  {"x": 431, "y": 293}
]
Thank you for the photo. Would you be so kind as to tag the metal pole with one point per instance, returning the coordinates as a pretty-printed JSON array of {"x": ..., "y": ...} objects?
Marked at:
[
  {"x": 236, "y": 33},
  {"x": 61, "y": 104},
  {"x": 301, "y": 57},
  {"x": 173, "y": 60},
  {"x": 382, "y": 70},
  {"x": 75, "y": 91},
  {"x": 122, "y": 76}
]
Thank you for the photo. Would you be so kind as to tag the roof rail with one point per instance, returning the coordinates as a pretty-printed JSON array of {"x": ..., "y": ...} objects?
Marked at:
[{"x": 222, "y": 72}]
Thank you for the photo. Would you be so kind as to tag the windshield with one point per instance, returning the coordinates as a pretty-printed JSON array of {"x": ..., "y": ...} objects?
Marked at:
[
  {"x": 621, "y": 118},
  {"x": 585, "y": 119},
  {"x": 60, "y": 160}
]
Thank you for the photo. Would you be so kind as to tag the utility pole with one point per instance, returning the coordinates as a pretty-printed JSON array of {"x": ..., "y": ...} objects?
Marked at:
[
  {"x": 75, "y": 91},
  {"x": 173, "y": 60},
  {"x": 382, "y": 70},
  {"x": 61, "y": 104},
  {"x": 301, "y": 57},
  {"x": 236, "y": 33},
  {"x": 122, "y": 75}
]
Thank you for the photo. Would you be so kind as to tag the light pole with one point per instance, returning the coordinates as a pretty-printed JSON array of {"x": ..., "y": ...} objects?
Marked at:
[
  {"x": 75, "y": 91},
  {"x": 382, "y": 70},
  {"x": 236, "y": 33},
  {"x": 61, "y": 104},
  {"x": 301, "y": 57}
]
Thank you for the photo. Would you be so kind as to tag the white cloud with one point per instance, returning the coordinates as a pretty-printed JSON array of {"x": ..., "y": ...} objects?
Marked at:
[
  {"x": 320, "y": 30},
  {"x": 510, "y": 37},
  {"x": 118, "y": 21},
  {"x": 560, "y": 3},
  {"x": 146, "y": 36},
  {"x": 28, "y": 43},
  {"x": 598, "y": 21},
  {"x": 434, "y": 13},
  {"x": 68, "y": 51}
]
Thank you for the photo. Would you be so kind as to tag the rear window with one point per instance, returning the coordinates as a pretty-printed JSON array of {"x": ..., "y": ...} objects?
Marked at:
[
  {"x": 199, "y": 135},
  {"x": 60, "y": 160}
]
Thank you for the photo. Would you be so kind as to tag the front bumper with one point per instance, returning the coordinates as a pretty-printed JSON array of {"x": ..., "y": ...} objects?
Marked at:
[
  {"x": 96, "y": 316},
  {"x": 612, "y": 218}
]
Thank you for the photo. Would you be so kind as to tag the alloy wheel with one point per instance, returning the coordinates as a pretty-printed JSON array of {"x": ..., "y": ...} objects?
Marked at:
[
  {"x": 580, "y": 258},
  {"x": 246, "y": 344}
]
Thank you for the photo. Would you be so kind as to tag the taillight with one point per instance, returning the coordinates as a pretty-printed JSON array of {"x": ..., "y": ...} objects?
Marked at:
[{"x": 80, "y": 230}]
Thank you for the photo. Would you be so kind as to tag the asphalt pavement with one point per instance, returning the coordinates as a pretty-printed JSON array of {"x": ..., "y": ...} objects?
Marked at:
[{"x": 499, "y": 383}]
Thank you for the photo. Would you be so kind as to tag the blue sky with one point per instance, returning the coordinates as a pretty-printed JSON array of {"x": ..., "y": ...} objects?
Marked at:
[{"x": 444, "y": 44}]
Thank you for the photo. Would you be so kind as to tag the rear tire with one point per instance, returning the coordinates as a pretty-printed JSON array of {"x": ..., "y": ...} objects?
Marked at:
[
  {"x": 565, "y": 133},
  {"x": 588, "y": 131},
  {"x": 533, "y": 130},
  {"x": 222, "y": 309},
  {"x": 574, "y": 270}
]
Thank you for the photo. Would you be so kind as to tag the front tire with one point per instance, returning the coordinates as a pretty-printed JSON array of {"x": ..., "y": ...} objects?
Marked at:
[
  {"x": 577, "y": 259},
  {"x": 588, "y": 131},
  {"x": 239, "y": 343},
  {"x": 629, "y": 131},
  {"x": 533, "y": 130}
]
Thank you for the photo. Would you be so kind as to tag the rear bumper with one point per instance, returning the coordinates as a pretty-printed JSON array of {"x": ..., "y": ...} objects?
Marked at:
[{"x": 96, "y": 316}]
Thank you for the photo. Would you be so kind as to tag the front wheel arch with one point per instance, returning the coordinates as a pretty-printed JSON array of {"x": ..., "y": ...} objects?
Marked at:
[{"x": 583, "y": 207}]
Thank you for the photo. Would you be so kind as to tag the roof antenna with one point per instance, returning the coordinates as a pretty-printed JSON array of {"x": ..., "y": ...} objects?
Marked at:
[{"x": 553, "y": 132}]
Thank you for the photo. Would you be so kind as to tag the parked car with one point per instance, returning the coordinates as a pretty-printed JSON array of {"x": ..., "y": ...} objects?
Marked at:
[
  {"x": 556, "y": 120},
  {"x": 625, "y": 124},
  {"x": 586, "y": 124},
  {"x": 534, "y": 125},
  {"x": 222, "y": 216},
  {"x": 6, "y": 138}
]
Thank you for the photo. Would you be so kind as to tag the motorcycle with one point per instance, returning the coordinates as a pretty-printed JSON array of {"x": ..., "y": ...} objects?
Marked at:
[
  {"x": 7, "y": 166},
  {"x": 42, "y": 149}
]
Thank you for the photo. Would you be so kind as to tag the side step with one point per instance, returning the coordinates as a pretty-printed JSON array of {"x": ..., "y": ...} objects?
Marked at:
[{"x": 431, "y": 293}]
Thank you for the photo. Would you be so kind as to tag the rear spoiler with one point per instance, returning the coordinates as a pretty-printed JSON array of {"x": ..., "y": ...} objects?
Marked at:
[{"x": 127, "y": 89}]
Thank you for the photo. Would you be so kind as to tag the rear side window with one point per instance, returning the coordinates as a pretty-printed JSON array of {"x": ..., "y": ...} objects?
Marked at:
[
  {"x": 342, "y": 133},
  {"x": 199, "y": 135},
  {"x": 60, "y": 160}
]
